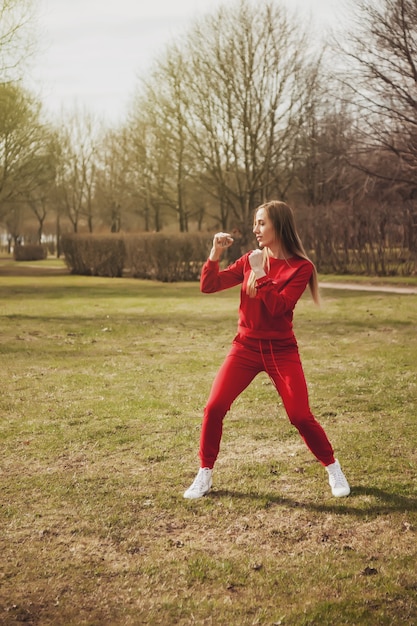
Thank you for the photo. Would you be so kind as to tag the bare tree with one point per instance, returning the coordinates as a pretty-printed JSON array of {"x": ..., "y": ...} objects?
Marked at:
[
  {"x": 249, "y": 77},
  {"x": 113, "y": 191},
  {"x": 76, "y": 168},
  {"x": 42, "y": 196},
  {"x": 17, "y": 40},
  {"x": 23, "y": 148},
  {"x": 383, "y": 77},
  {"x": 164, "y": 109},
  {"x": 225, "y": 106},
  {"x": 157, "y": 153}
]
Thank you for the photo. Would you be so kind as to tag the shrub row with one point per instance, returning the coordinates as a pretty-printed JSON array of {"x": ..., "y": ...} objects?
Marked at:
[
  {"x": 168, "y": 258},
  {"x": 92, "y": 255},
  {"x": 30, "y": 252},
  {"x": 157, "y": 256}
]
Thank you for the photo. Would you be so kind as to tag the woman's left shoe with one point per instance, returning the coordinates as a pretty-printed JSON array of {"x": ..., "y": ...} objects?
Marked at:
[
  {"x": 337, "y": 480},
  {"x": 201, "y": 485}
]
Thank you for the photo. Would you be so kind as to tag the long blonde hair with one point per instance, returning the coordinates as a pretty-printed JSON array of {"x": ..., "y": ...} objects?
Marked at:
[{"x": 282, "y": 218}]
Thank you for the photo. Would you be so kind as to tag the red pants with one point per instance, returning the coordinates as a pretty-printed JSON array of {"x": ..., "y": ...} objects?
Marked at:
[{"x": 281, "y": 361}]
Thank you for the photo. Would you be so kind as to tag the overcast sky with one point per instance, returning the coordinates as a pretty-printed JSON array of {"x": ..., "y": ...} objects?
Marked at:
[{"x": 92, "y": 51}]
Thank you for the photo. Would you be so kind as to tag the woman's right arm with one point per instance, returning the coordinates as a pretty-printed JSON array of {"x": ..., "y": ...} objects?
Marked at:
[{"x": 212, "y": 278}]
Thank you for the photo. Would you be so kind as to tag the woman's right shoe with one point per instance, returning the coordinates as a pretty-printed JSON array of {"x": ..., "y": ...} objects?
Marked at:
[{"x": 337, "y": 480}]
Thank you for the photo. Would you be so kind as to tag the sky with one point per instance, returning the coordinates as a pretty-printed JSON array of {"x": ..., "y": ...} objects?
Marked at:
[{"x": 92, "y": 52}]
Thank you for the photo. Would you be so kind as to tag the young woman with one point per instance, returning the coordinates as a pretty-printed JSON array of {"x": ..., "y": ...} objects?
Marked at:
[{"x": 273, "y": 279}]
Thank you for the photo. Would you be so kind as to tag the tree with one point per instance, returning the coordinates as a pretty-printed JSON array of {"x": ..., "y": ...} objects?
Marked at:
[
  {"x": 249, "y": 78},
  {"x": 163, "y": 109},
  {"x": 155, "y": 157},
  {"x": 43, "y": 194},
  {"x": 23, "y": 142},
  {"x": 76, "y": 167},
  {"x": 113, "y": 190},
  {"x": 16, "y": 37},
  {"x": 383, "y": 77},
  {"x": 225, "y": 107}
]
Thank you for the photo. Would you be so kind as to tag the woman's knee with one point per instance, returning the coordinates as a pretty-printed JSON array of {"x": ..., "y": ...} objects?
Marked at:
[
  {"x": 216, "y": 409},
  {"x": 301, "y": 420}
]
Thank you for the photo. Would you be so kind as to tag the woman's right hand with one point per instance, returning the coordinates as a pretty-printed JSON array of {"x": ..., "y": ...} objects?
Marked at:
[{"x": 221, "y": 241}]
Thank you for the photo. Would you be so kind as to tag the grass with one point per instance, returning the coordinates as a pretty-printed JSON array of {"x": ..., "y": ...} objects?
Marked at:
[
  {"x": 102, "y": 389},
  {"x": 394, "y": 281}
]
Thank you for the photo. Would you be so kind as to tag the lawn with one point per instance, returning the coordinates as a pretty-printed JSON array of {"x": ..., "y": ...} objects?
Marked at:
[{"x": 103, "y": 382}]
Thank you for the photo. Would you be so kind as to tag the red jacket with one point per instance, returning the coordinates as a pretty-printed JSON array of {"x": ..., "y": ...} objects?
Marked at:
[{"x": 269, "y": 315}]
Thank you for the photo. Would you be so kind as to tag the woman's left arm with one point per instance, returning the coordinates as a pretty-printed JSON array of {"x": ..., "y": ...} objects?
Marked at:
[{"x": 281, "y": 295}]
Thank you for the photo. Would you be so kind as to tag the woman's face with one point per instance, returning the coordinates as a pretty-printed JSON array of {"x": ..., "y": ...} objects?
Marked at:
[{"x": 264, "y": 230}]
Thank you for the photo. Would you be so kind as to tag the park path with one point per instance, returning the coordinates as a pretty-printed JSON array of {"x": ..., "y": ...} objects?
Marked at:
[{"x": 364, "y": 287}]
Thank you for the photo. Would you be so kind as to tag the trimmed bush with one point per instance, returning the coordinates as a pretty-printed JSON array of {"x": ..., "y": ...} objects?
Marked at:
[
  {"x": 168, "y": 258},
  {"x": 94, "y": 255},
  {"x": 30, "y": 252},
  {"x": 157, "y": 256}
]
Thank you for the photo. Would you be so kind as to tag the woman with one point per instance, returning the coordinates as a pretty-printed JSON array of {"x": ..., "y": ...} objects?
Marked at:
[{"x": 273, "y": 279}]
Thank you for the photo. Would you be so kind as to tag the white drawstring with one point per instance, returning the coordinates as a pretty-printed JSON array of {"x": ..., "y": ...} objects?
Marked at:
[{"x": 274, "y": 362}]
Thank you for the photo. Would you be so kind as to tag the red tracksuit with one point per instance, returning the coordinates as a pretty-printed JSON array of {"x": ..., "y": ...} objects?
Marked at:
[{"x": 265, "y": 342}]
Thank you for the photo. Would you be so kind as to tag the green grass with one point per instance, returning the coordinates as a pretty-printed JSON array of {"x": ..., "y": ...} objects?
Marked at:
[
  {"x": 402, "y": 281},
  {"x": 103, "y": 382}
]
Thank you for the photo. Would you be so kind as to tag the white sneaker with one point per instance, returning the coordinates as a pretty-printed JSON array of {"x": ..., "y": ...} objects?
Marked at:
[
  {"x": 201, "y": 485},
  {"x": 337, "y": 480}
]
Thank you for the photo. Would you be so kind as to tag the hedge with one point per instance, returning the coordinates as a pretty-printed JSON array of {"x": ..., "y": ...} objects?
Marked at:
[
  {"x": 30, "y": 252},
  {"x": 168, "y": 258},
  {"x": 156, "y": 256},
  {"x": 94, "y": 255}
]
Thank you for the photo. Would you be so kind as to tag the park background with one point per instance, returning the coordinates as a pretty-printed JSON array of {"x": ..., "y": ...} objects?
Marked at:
[
  {"x": 105, "y": 372},
  {"x": 249, "y": 102}
]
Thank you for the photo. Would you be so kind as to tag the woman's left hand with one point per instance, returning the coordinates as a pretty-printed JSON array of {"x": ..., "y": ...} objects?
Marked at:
[{"x": 256, "y": 261}]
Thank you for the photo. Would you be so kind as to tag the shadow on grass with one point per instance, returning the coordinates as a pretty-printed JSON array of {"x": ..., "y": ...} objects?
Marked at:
[{"x": 378, "y": 501}]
